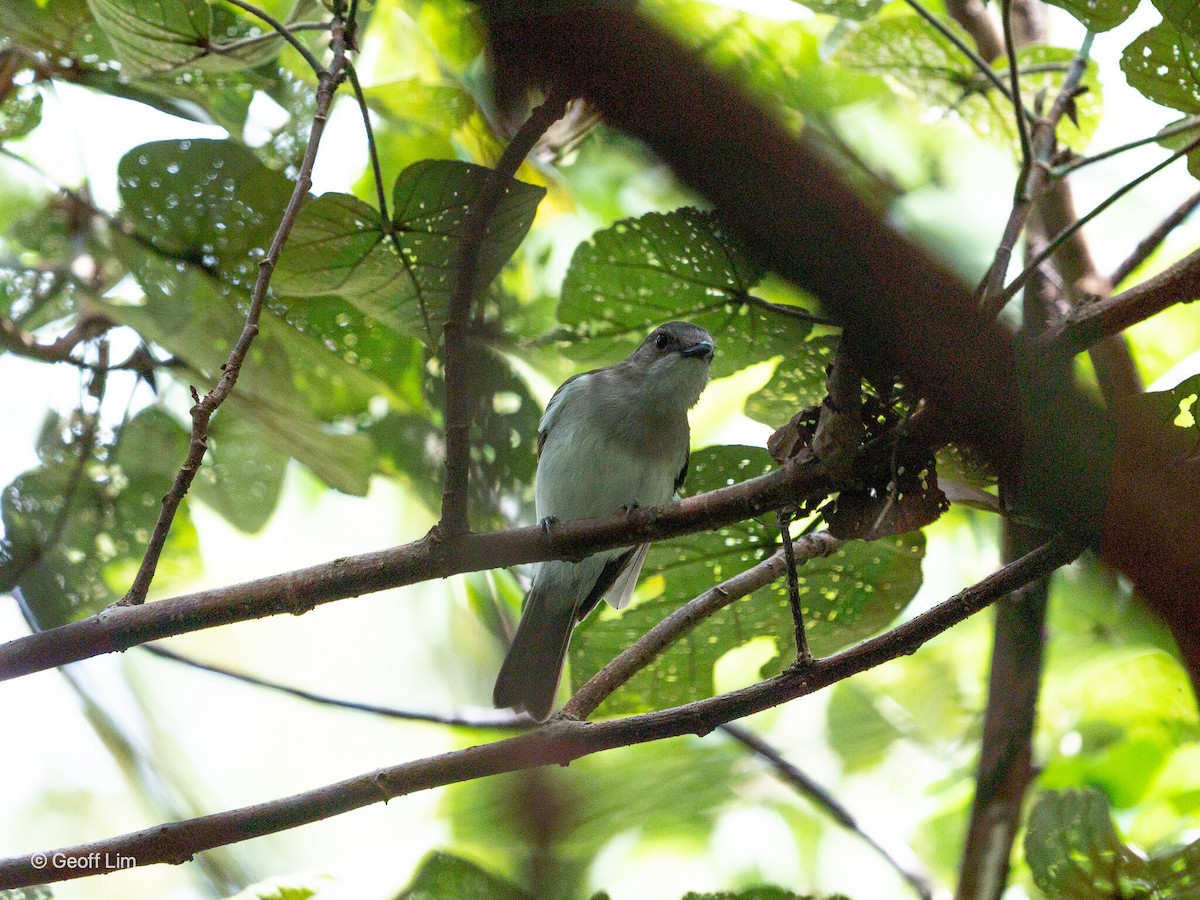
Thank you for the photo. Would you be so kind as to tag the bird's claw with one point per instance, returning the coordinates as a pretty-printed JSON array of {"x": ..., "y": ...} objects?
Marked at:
[{"x": 547, "y": 523}]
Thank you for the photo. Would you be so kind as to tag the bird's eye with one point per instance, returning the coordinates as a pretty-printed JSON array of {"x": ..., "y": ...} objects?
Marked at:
[{"x": 662, "y": 341}]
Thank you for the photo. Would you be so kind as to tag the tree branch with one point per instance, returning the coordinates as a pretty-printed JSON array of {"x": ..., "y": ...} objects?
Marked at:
[
  {"x": 647, "y": 648},
  {"x": 1091, "y": 322},
  {"x": 462, "y": 292},
  {"x": 121, "y": 627},
  {"x": 464, "y": 718},
  {"x": 204, "y": 409},
  {"x": 559, "y": 742}
]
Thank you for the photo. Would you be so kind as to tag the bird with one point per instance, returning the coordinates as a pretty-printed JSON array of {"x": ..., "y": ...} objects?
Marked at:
[{"x": 610, "y": 439}]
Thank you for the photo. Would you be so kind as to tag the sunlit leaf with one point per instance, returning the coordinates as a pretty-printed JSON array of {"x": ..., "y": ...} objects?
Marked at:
[
  {"x": 155, "y": 35},
  {"x": 211, "y": 203},
  {"x": 798, "y": 381},
  {"x": 642, "y": 272}
]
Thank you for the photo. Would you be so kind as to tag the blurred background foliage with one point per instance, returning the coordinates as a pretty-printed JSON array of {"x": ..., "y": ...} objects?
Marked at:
[{"x": 146, "y": 153}]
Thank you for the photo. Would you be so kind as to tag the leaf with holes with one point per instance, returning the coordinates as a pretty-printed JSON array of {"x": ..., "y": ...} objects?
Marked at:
[
  {"x": 642, "y": 272},
  {"x": 1164, "y": 65},
  {"x": 209, "y": 203},
  {"x": 846, "y": 597},
  {"x": 1098, "y": 15},
  {"x": 340, "y": 246},
  {"x": 1182, "y": 14},
  {"x": 798, "y": 382},
  {"x": 1173, "y": 413}
]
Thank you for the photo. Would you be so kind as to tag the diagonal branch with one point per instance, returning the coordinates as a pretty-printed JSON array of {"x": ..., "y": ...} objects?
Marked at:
[
  {"x": 120, "y": 627},
  {"x": 557, "y": 743},
  {"x": 202, "y": 412},
  {"x": 462, "y": 292},
  {"x": 1088, "y": 324},
  {"x": 648, "y": 647}
]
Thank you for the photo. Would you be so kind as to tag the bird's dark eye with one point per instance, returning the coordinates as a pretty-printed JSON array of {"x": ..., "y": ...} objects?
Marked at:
[{"x": 662, "y": 341}]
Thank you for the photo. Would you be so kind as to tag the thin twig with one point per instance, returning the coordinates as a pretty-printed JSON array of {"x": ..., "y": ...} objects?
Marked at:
[
  {"x": 389, "y": 227},
  {"x": 1014, "y": 78},
  {"x": 473, "y": 718},
  {"x": 1154, "y": 239},
  {"x": 559, "y": 742},
  {"x": 1060, "y": 238},
  {"x": 204, "y": 408},
  {"x": 1189, "y": 124},
  {"x": 462, "y": 292},
  {"x": 829, "y": 804},
  {"x": 803, "y": 654},
  {"x": 119, "y": 628},
  {"x": 1030, "y": 183},
  {"x": 648, "y": 647},
  {"x": 963, "y": 47},
  {"x": 284, "y": 33}
]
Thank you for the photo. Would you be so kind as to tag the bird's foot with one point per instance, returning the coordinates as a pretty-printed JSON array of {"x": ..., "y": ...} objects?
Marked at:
[
  {"x": 547, "y": 523},
  {"x": 630, "y": 507}
]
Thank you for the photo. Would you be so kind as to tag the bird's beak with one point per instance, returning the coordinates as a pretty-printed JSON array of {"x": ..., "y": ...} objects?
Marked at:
[{"x": 703, "y": 349}]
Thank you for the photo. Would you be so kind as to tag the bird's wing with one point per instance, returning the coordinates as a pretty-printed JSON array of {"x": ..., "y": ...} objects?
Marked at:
[
  {"x": 618, "y": 595},
  {"x": 554, "y": 407}
]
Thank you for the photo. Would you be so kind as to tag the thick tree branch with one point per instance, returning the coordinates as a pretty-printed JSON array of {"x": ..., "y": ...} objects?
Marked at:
[
  {"x": 121, "y": 627},
  {"x": 559, "y": 742},
  {"x": 1094, "y": 321},
  {"x": 457, "y": 346},
  {"x": 204, "y": 409}
]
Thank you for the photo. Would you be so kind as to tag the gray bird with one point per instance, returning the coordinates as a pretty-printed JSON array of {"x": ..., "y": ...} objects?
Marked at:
[{"x": 611, "y": 438}]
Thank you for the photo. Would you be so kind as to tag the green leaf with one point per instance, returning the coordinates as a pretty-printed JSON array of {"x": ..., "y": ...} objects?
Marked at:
[
  {"x": 761, "y": 893},
  {"x": 242, "y": 474},
  {"x": 445, "y": 877},
  {"x": 798, "y": 382},
  {"x": 340, "y": 246},
  {"x": 1176, "y": 413},
  {"x": 846, "y": 597},
  {"x": 1098, "y": 15},
  {"x": 185, "y": 313},
  {"x": 418, "y": 104},
  {"x": 1182, "y": 14},
  {"x": 928, "y": 67},
  {"x": 75, "y": 535},
  {"x": 1181, "y": 141},
  {"x": 210, "y": 203},
  {"x": 1164, "y": 65},
  {"x": 20, "y": 113},
  {"x": 1074, "y": 852},
  {"x": 857, "y": 732},
  {"x": 155, "y": 35},
  {"x": 642, "y": 272}
]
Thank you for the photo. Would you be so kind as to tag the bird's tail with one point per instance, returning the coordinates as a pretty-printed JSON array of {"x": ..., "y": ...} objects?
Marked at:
[{"x": 528, "y": 679}]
